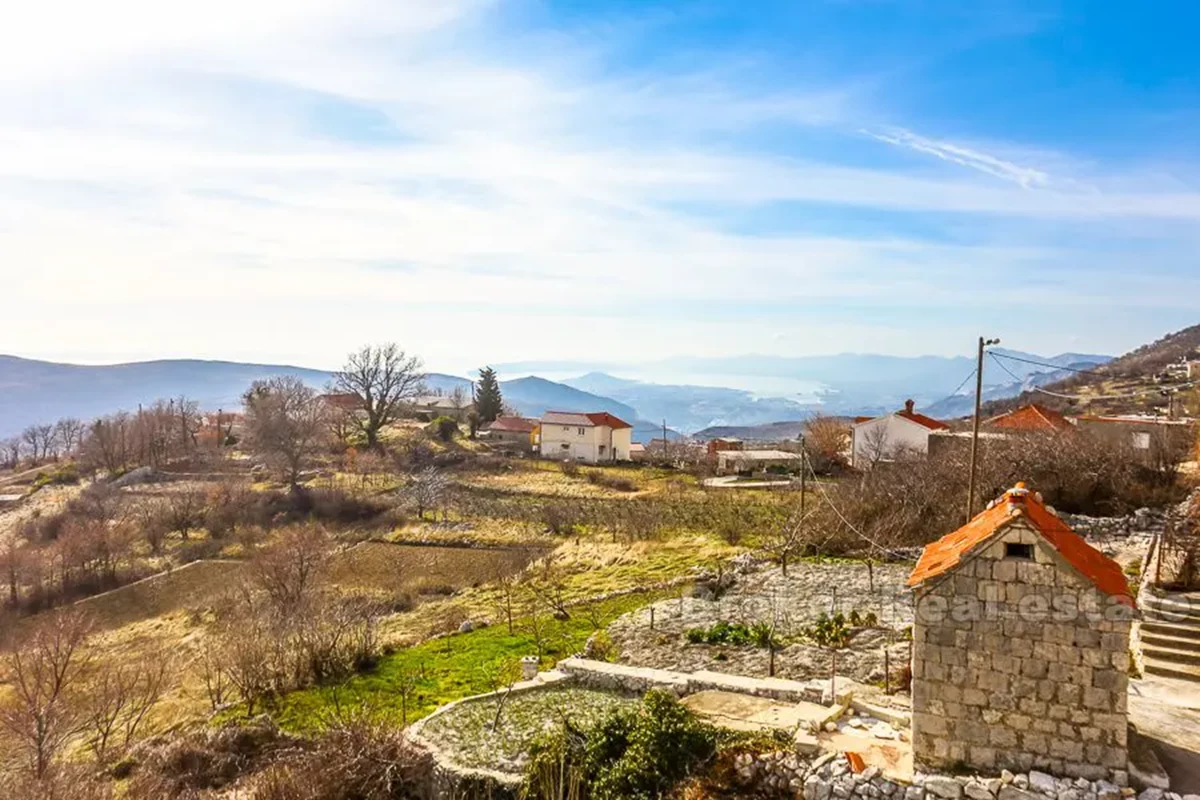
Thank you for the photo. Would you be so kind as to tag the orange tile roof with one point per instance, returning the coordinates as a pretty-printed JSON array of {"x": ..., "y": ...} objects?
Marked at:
[
  {"x": 1032, "y": 417},
  {"x": 605, "y": 418},
  {"x": 946, "y": 553},
  {"x": 921, "y": 419},
  {"x": 513, "y": 425}
]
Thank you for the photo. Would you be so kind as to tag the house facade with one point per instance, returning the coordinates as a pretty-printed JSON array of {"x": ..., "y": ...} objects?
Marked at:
[
  {"x": 1032, "y": 418},
  {"x": 884, "y": 438},
  {"x": 1020, "y": 647},
  {"x": 1149, "y": 437},
  {"x": 513, "y": 433},
  {"x": 594, "y": 437}
]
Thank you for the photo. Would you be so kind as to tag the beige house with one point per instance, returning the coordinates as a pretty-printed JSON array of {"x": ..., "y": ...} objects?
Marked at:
[
  {"x": 594, "y": 437},
  {"x": 515, "y": 433},
  {"x": 1020, "y": 647}
]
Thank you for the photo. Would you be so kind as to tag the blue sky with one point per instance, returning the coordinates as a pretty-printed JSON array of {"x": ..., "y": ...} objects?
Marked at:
[{"x": 501, "y": 181}]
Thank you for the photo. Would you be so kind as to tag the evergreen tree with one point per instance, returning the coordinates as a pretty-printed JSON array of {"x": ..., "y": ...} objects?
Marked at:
[{"x": 488, "y": 401}]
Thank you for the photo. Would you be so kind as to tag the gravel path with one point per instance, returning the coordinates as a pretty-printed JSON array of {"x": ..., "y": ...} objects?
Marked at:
[{"x": 793, "y": 601}]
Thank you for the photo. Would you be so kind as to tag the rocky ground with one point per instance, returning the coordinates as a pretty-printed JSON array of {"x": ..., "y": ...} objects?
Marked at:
[{"x": 791, "y": 601}]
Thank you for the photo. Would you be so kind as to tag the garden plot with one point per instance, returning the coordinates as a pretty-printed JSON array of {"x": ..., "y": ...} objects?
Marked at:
[
  {"x": 464, "y": 733},
  {"x": 789, "y": 604}
]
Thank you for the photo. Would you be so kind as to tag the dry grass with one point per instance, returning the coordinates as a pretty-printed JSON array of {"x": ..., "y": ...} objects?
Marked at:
[
  {"x": 193, "y": 585},
  {"x": 387, "y": 567}
]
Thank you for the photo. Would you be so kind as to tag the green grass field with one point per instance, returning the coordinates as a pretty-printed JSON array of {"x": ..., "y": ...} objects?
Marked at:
[{"x": 444, "y": 669}]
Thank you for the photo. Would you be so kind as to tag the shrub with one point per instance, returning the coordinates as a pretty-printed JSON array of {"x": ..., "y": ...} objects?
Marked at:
[
  {"x": 63, "y": 474},
  {"x": 734, "y": 634},
  {"x": 829, "y": 631},
  {"x": 444, "y": 428},
  {"x": 636, "y": 754},
  {"x": 621, "y": 484},
  {"x": 569, "y": 468}
]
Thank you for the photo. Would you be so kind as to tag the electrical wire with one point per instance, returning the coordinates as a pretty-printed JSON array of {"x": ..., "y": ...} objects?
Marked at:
[
  {"x": 1125, "y": 396},
  {"x": 842, "y": 516},
  {"x": 1056, "y": 367}
]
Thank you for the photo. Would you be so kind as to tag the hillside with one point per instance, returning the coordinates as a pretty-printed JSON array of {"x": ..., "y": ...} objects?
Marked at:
[
  {"x": 1143, "y": 381},
  {"x": 41, "y": 391}
]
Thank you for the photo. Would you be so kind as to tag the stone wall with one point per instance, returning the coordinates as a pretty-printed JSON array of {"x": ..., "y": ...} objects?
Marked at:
[{"x": 1020, "y": 664}]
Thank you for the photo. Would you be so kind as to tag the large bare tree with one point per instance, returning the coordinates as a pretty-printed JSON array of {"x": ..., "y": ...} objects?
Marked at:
[
  {"x": 285, "y": 423},
  {"x": 383, "y": 378}
]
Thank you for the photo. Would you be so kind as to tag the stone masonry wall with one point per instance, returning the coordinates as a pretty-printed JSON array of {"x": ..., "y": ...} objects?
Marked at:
[{"x": 1020, "y": 664}]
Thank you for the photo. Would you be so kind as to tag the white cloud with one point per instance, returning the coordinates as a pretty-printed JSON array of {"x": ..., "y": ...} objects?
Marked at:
[{"x": 183, "y": 196}]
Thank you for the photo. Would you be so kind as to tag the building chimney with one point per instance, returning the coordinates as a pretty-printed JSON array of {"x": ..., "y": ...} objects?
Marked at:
[{"x": 908, "y": 406}]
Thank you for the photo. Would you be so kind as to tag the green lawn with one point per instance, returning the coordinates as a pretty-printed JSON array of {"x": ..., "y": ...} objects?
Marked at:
[{"x": 444, "y": 669}]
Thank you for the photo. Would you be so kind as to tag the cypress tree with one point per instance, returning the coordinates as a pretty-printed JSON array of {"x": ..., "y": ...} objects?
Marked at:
[{"x": 488, "y": 401}]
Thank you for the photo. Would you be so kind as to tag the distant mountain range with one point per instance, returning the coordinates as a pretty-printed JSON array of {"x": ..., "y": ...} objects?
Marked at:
[
  {"x": 777, "y": 389},
  {"x": 765, "y": 389},
  {"x": 41, "y": 391}
]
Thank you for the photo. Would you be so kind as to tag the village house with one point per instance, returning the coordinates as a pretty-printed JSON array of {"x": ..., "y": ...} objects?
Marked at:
[
  {"x": 1020, "y": 647},
  {"x": 594, "y": 437},
  {"x": 873, "y": 440},
  {"x": 1032, "y": 418},
  {"x": 513, "y": 433},
  {"x": 723, "y": 443},
  {"x": 431, "y": 406},
  {"x": 1150, "y": 436}
]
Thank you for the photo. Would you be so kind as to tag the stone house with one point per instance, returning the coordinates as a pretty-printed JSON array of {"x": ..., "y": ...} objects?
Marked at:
[
  {"x": 514, "y": 433},
  {"x": 1020, "y": 647}
]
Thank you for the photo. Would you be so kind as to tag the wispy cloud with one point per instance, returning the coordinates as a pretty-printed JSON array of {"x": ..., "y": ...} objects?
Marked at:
[
  {"x": 332, "y": 172},
  {"x": 964, "y": 156}
]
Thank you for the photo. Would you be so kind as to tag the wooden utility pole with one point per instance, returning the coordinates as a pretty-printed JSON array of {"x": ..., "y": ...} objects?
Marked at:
[
  {"x": 803, "y": 476},
  {"x": 975, "y": 425}
]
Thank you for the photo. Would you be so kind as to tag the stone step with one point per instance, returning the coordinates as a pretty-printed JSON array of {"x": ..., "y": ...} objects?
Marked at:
[
  {"x": 1183, "y": 607},
  {"x": 1182, "y": 672},
  {"x": 1172, "y": 656},
  {"x": 1170, "y": 642},
  {"x": 1170, "y": 615},
  {"x": 1172, "y": 631}
]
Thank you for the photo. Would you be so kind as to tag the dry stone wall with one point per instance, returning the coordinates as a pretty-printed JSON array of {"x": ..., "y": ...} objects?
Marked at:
[{"x": 1020, "y": 664}]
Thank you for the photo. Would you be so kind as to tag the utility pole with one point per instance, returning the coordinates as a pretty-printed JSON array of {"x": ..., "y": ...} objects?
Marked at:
[
  {"x": 975, "y": 425},
  {"x": 803, "y": 476}
]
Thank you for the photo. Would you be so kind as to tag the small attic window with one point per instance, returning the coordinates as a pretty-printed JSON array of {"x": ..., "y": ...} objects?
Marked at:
[{"x": 1023, "y": 552}]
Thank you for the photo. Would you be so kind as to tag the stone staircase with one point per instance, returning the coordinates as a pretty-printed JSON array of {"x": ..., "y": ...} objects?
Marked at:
[{"x": 1170, "y": 635}]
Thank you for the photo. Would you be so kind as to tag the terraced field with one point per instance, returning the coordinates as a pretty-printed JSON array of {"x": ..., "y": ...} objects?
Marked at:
[{"x": 391, "y": 567}]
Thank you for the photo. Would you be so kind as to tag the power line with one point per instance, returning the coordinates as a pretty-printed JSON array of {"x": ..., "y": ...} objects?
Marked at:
[
  {"x": 842, "y": 516},
  {"x": 1061, "y": 396},
  {"x": 994, "y": 354}
]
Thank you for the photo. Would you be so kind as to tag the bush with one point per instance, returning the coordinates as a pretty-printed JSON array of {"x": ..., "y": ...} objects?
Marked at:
[
  {"x": 569, "y": 468},
  {"x": 355, "y": 760},
  {"x": 637, "y": 754},
  {"x": 64, "y": 474},
  {"x": 734, "y": 634},
  {"x": 444, "y": 428},
  {"x": 598, "y": 477}
]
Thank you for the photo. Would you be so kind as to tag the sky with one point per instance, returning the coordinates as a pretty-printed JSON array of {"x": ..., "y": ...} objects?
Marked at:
[{"x": 491, "y": 181}]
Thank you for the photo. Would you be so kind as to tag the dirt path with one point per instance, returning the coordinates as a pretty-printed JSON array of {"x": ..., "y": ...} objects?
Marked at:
[{"x": 43, "y": 501}]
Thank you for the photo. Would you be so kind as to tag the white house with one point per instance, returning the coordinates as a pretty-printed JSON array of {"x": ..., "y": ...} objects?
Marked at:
[
  {"x": 882, "y": 438},
  {"x": 592, "y": 437}
]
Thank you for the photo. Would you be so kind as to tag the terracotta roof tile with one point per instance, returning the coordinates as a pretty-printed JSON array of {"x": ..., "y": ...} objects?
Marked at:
[
  {"x": 1032, "y": 417},
  {"x": 513, "y": 425},
  {"x": 921, "y": 419},
  {"x": 605, "y": 418},
  {"x": 946, "y": 553}
]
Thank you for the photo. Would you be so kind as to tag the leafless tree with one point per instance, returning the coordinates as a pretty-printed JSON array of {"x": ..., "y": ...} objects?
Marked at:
[
  {"x": 787, "y": 540},
  {"x": 500, "y": 674},
  {"x": 10, "y": 453},
  {"x": 184, "y": 511},
  {"x": 426, "y": 489},
  {"x": 119, "y": 697},
  {"x": 69, "y": 432},
  {"x": 32, "y": 438},
  {"x": 285, "y": 423},
  {"x": 826, "y": 440},
  {"x": 384, "y": 379},
  {"x": 508, "y": 586},
  {"x": 44, "y": 670},
  {"x": 213, "y": 672},
  {"x": 290, "y": 570},
  {"x": 875, "y": 447}
]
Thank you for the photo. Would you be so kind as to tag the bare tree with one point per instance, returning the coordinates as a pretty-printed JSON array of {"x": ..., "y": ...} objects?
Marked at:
[
  {"x": 426, "y": 490},
  {"x": 10, "y": 453},
  {"x": 33, "y": 443},
  {"x": 68, "y": 432},
  {"x": 285, "y": 422},
  {"x": 119, "y": 697},
  {"x": 43, "y": 671},
  {"x": 826, "y": 440},
  {"x": 786, "y": 541},
  {"x": 290, "y": 570},
  {"x": 384, "y": 379}
]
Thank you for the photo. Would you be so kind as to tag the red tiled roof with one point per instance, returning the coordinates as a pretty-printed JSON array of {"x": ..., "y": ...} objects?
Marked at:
[
  {"x": 946, "y": 553},
  {"x": 1032, "y": 417},
  {"x": 921, "y": 419},
  {"x": 605, "y": 418},
  {"x": 513, "y": 425}
]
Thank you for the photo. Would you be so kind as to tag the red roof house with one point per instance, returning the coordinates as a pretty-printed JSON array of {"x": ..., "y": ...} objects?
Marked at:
[{"x": 1032, "y": 418}]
